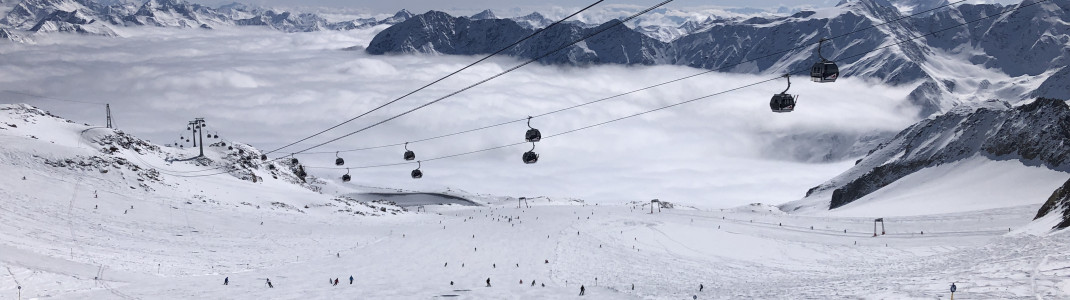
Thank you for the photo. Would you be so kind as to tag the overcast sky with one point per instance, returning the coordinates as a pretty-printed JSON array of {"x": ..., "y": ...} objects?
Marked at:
[{"x": 505, "y": 7}]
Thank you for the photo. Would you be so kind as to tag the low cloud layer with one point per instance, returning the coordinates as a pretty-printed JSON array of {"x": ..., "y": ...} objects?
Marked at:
[{"x": 268, "y": 88}]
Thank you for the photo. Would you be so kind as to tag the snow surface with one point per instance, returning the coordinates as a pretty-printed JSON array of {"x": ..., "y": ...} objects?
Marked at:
[
  {"x": 69, "y": 233},
  {"x": 972, "y": 184}
]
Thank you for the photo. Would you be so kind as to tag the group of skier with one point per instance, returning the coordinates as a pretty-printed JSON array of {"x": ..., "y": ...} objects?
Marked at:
[
  {"x": 335, "y": 281},
  {"x": 226, "y": 281}
]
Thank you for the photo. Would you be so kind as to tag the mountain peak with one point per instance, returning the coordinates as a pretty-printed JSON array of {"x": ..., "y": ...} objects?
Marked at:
[
  {"x": 484, "y": 15},
  {"x": 403, "y": 13}
]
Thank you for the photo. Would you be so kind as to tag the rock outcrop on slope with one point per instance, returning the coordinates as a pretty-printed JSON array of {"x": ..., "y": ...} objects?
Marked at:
[{"x": 1058, "y": 203}]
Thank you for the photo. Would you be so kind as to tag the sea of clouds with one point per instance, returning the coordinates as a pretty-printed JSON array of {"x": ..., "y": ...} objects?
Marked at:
[{"x": 268, "y": 89}]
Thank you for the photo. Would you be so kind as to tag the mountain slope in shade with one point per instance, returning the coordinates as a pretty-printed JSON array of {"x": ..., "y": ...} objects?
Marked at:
[
  {"x": 1034, "y": 134},
  {"x": 1058, "y": 205}
]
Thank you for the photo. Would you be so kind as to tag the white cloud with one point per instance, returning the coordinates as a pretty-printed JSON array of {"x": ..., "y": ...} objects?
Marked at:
[{"x": 269, "y": 88}]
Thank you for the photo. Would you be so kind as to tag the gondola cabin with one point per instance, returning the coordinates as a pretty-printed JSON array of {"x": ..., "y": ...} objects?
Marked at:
[
  {"x": 782, "y": 103},
  {"x": 824, "y": 71},
  {"x": 530, "y": 157}
]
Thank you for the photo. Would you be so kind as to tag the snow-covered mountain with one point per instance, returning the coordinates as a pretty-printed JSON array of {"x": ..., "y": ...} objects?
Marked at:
[
  {"x": 1057, "y": 207},
  {"x": 1029, "y": 138},
  {"x": 534, "y": 20},
  {"x": 438, "y": 32},
  {"x": 916, "y": 6},
  {"x": 100, "y": 18},
  {"x": 483, "y": 15},
  {"x": 37, "y": 143},
  {"x": 946, "y": 65},
  {"x": 176, "y": 13}
]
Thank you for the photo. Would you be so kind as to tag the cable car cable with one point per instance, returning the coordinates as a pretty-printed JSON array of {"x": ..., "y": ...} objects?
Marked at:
[
  {"x": 622, "y": 21},
  {"x": 637, "y": 90},
  {"x": 706, "y": 96},
  {"x": 444, "y": 77}
]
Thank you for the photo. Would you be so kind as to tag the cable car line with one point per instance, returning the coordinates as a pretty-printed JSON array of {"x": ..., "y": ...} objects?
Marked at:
[
  {"x": 1003, "y": 12},
  {"x": 444, "y": 77},
  {"x": 708, "y": 95},
  {"x": 491, "y": 77},
  {"x": 640, "y": 89},
  {"x": 569, "y": 131}
]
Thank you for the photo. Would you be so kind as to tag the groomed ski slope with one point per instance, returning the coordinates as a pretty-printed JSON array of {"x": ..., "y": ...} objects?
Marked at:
[
  {"x": 70, "y": 233},
  {"x": 405, "y": 257}
]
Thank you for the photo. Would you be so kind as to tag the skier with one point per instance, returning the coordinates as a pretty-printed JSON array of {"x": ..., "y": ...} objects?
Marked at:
[
  {"x": 447, "y": 264},
  {"x": 532, "y": 282},
  {"x": 451, "y": 282},
  {"x": 350, "y": 279},
  {"x": 488, "y": 281},
  {"x": 269, "y": 283},
  {"x": 700, "y": 287},
  {"x": 546, "y": 261},
  {"x": 495, "y": 265},
  {"x": 336, "y": 281},
  {"x": 582, "y": 289},
  {"x": 226, "y": 281},
  {"x": 521, "y": 281}
]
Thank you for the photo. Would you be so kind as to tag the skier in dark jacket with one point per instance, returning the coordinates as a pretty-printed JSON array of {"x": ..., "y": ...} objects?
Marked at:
[
  {"x": 350, "y": 279},
  {"x": 488, "y": 281},
  {"x": 582, "y": 289},
  {"x": 226, "y": 281},
  {"x": 269, "y": 283}
]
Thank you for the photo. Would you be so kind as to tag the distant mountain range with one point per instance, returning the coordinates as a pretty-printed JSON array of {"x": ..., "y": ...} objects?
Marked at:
[
  {"x": 1029, "y": 48},
  {"x": 30, "y": 17}
]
